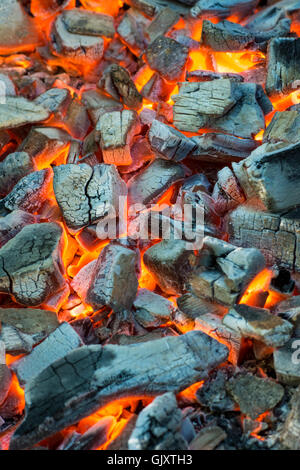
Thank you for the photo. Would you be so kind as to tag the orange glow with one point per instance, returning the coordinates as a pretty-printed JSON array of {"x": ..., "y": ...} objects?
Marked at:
[
  {"x": 237, "y": 62},
  {"x": 17, "y": 393},
  {"x": 11, "y": 359},
  {"x": 143, "y": 76},
  {"x": 200, "y": 60},
  {"x": 295, "y": 28},
  {"x": 283, "y": 102},
  {"x": 103, "y": 6},
  {"x": 189, "y": 393},
  {"x": 146, "y": 280},
  {"x": 260, "y": 283}
]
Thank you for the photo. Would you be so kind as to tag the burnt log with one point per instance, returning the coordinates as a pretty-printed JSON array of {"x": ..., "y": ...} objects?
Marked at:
[
  {"x": 271, "y": 176},
  {"x": 259, "y": 324},
  {"x": 226, "y": 36},
  {"x": 223, "y": 105},
  {"x": 162, "y": 23},
  {"x": 18, "y": 111},
  {"x": 168, "y": 142},
  {"x": 150, "y": 183},
  {"x": 167, "y": 57},
  {"x": 13, "y": 223},
  {"x": 116, "y": 131},
  {"x": 116, "y": 81},
  {"x": 14, "y": 167},
  {"x": 222, "y": 148},
  {"x": 92, "y": 376},
  {"x": 86, "y": 195},
  {"x": 31, "y": 268},
  {"x": 29, "y": 193},
  {"x": 88, "y": 23},
  {"x": 283, "y": 65},
  {"x": 158, "y": 426}
]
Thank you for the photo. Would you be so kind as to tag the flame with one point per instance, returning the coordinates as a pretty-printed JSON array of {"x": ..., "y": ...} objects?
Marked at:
[{"x": 260, "y": 283}]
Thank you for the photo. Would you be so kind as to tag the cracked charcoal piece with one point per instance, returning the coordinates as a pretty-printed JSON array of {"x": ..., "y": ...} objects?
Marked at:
[
  {"x": 157, "y": 89},
  {"x": 283, "y": 65},
  {"x": 168, "y": 142},
  {"x": 117, "y": 82},
  {"x": 17, "y": 30},
  {"x": 192, "y": 307},
  {"x": 98, "y": 103},
  {"x": 223, "y": 105},
  {"x": 13, "y": 223},
  {"x": 171, "y": 263},
  {"x": 92, "y": 376},
  {"x": 222, "y": 148},
  {"x": 277, "y": 237},
  {"x": 18, "y": 111},
  {"x": 211, "y": 324},
  {"x": 85, "y": 194},
  {"x": 162, "y": 23},
  {"x": 88, "y": 23},
  {"x": 259, "y": 324},
  {"x": 226, "y": 36},
  {"x": 167, "y": 57},
  {"x": 272, "y": 177},
  {"x": 284, "y": 128},
  {"x": 254, "y": 395},
  {"x": 117, "y": 130},
  {"x": 30, "y": 192},
  {"x": 37, "y": 324},
  {"x": 13, "y": 168},
  {"x": 158, "y": 426},
  {"x": 227, "y": 192},
  {"x": 289, "y": 435},
  {"x": 93, "y": 438},
  {"x": 152, "y": 310},
  {"x": 79, "y": 47},
  {"x": 131, "y": 30},
  {"x": 15, "y": 341},
  {"x": 150, "y": 183},
  {"x": 208, "y": 75},
  {"x": 55, "y": 99},
  {"x": 31, "y": 268},
  {"x": 114, "y": 280},
  {"x": 59, "y": 343},
  {"x": 223, "y": 8}
]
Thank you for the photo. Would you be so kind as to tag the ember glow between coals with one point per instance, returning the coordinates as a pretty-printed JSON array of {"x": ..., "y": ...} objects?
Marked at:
[{"x": 76, "y": 252}]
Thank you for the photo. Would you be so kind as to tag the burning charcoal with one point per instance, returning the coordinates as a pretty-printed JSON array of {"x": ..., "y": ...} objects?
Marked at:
[
  {"x": 31, "y": 265},
  {"x": 17, "y": 30},
  {"x": 208, "y": 76},
  {"x": 45, "y": 144},
  {"x": 289, "y": 435},
  {"x": 94, "y": 376},
  {"x": 191, "y": 307},
  {"x": 120, "y": 442},
  {"x": 152, "y": 310},
  {"x": 271, "y": 177},
  {"x": 254, "y": 395},
  {"x": 84, "y": 328},
  {"x": 283, "y": 65},
  {"x": 223, "y": 8},
  {"x": 132, "y": 29},
  {"x": 222, "y": 148},
  {"x": 227, "y": 192},
  {"x": 152, "y": 7},
  {"x": 88, "y": 23},
  {"x": 116, "y": 81},
  {"x": 55, "y": 100},
  {"x": 114, "y": 282},
  {"x": 86, "y": 195},
  {"x": 13, "y": 168},
  {"x": 141, "y": 154},
  {"x": 170, "y": 263},
  {"x": 223, "y": 105},
  {"x": 162, "y": 23},
  {"x": 208, "y": 438},
  {"x": 258, "y": 323},
  {"x": 59, "y": 343},
  {"x": 213, "y": 393},
  {"x": 5, "y": 376},
  {"x": 98, "y": 103},
  {"x": 77, "y": 120},
  {"x": 18, "y": 111},
  {"x": 212, "y": 325},
  {"x": 16, "y": 342},
  {"x": 284, "y": 128},
  {"x": 116, "y": 131},
  {"x": 118, "y": 53},
  {"x": 289, "y": 308},
  {"x": 286, "y": 363},
  {"x": 167, "y": 57},
  {"x": 93, "y": 438},
  {"x": 78, "y": 47},
  {"x": 269, "y": 23},
  {"x": 158, "y": 426},
  {"x": 195, "y": 183},
  {"x": 275, "y": 236},
  {"x": 34, "y": 323},
  {"x": 13, "y": 223},
  {"x": 157, "y": 89},
  {"x": 168, "y": 142},
  {"x": 150, "y": 183},
  {"x": 29, "y": 193},
  {"x": 226, "y": 36},
  {"x": 224, "y": 278}
]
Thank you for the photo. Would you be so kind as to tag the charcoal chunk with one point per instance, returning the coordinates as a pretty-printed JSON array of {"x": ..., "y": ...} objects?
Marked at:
[
  {"x": 13, "y": 223},
  {"x": 13, "y": 168},
  {"x": 223, "y": 8},
  {"x": 222, "y": 148},
  {"x": 225, "y": 36},
  {"x": 167, "y": 57},
  {"x": 117, "y": 82},
  {"x": 88, "y": 23},
  {"x": 162, "y": 23},
  {"x": 283, "y": 65},
  {"x": 152, "y": 310},
  {"x": 18, "y": 111},
  {"x": 131, "y": 29}
]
